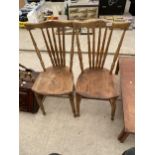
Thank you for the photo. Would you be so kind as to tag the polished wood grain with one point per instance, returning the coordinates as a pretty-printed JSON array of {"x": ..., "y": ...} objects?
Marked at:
[
  {"x": 97, "y": 84},
  {"x": 127, "y": 75},
  {"x": 96, "y": 81},
  {"x": 55, "y": 81},
  {"x": 58, "y": 78}
]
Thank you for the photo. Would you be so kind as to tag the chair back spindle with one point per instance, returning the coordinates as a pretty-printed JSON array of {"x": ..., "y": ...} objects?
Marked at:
[
  {"x": 51, "y": 47},
  {"x": 117, "y": 51},
  {"x": 89, "y": 49},
  {"x": 37, "y": 51},
  {"x": 54, "y": 36},
  {"x": 106, "y": 49},
  {"x": 98, "y": 46},
  {"x": 79, "y": 50},
  {"x": 48, "y": 49},
  {"x": 72, "y": 49},
  {"x": 98, "y": 40}
]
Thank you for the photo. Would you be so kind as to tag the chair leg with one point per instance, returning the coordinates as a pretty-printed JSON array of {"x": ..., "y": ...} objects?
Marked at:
[
  {"x": 71, "y": 97},
  {"x": 123, "y": 135},
  {"x": 78, "y": 99},
  {"x": 117, "y": 68},
  {"x": 113, "y": 107},
  {"x": 39, "y": 101}
]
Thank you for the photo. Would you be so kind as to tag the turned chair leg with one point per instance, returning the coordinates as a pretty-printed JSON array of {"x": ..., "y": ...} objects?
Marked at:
[
  {"x": 39, "y": 101},
  {"x": 113, "y": 107},
  {"x": 78, "y": 99},
  {"x": 71, "y": 97}
]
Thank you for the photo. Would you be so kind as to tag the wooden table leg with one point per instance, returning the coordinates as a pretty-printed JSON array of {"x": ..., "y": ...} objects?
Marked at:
[{"x": 123, "y": 135}]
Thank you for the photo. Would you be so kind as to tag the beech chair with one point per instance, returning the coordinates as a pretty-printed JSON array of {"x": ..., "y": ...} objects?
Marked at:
[
  {"x": 96, "y": 81},
  {"x": 56, "y": 80}
]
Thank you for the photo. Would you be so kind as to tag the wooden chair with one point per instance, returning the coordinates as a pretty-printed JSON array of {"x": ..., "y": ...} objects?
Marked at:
[
  {"x": 97, "y": 82},
  {"x": 57, "y": 79}
]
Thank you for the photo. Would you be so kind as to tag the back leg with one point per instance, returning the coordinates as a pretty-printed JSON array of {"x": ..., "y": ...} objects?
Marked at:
[{"x": 78, "y": 99}]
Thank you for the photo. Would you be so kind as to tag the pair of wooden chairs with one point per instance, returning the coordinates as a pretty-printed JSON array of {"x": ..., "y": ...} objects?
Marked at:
[{"x": 95, "y": 82}]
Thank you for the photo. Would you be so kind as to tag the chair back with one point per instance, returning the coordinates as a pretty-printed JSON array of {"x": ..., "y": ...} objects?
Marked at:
[
  {"x": 54, "y": 37},
  {"x": 97, "y": 41}
]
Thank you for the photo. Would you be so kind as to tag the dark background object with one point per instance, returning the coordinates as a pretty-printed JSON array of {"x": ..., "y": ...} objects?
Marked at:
[
  {"x": 27, "y": 100},
  {"x": 23, "y": 17},
  {"x": 54, "y": 154},
  {"x": 130, "y": 151},
  {"x": 30, "y": 1},
  {"x": 56, "y": 0},
  {"x": 111, "y": 7},
  {"x": 132, "y": 7}
]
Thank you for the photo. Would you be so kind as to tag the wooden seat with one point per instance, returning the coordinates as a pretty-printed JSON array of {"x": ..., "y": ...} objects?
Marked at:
[
  {"x": 54, "y": 81},
  {"x": 98, "y": 84},
  {"x": 58, "y": 78},
  {"x": 96, "y": 81}
]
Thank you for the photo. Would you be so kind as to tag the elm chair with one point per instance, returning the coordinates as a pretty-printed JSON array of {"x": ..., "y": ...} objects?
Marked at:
[
  {"x": 96, "y": 81},
  {"x": 56, "y": 80}
]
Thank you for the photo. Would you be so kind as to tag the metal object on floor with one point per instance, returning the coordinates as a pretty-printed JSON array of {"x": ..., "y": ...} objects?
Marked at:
[{"x": 130, "y": 151}]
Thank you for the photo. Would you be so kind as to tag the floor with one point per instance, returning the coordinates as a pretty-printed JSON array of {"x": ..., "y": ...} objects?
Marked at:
[{"x": 92, "y": 133}]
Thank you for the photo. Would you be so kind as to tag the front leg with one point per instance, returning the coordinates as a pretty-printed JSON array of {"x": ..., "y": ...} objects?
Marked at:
[
  {"x": 40, "y": 102},
  {"x": 113, "y": 107},
  {"x": 78, "y": 99}
]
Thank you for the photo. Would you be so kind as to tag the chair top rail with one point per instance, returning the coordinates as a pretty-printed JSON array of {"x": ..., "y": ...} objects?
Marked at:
[
  {"x": 93, "y": 23},
  {"x": 49, "y": 24}
]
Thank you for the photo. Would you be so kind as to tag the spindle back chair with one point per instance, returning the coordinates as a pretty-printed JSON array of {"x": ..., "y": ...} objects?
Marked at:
[
  {"x": 96, "y": 81},
  {"x": 57, "y": 79},
  {"x": 53, "y": 35},
  {"x": 98, "y": 41}
]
